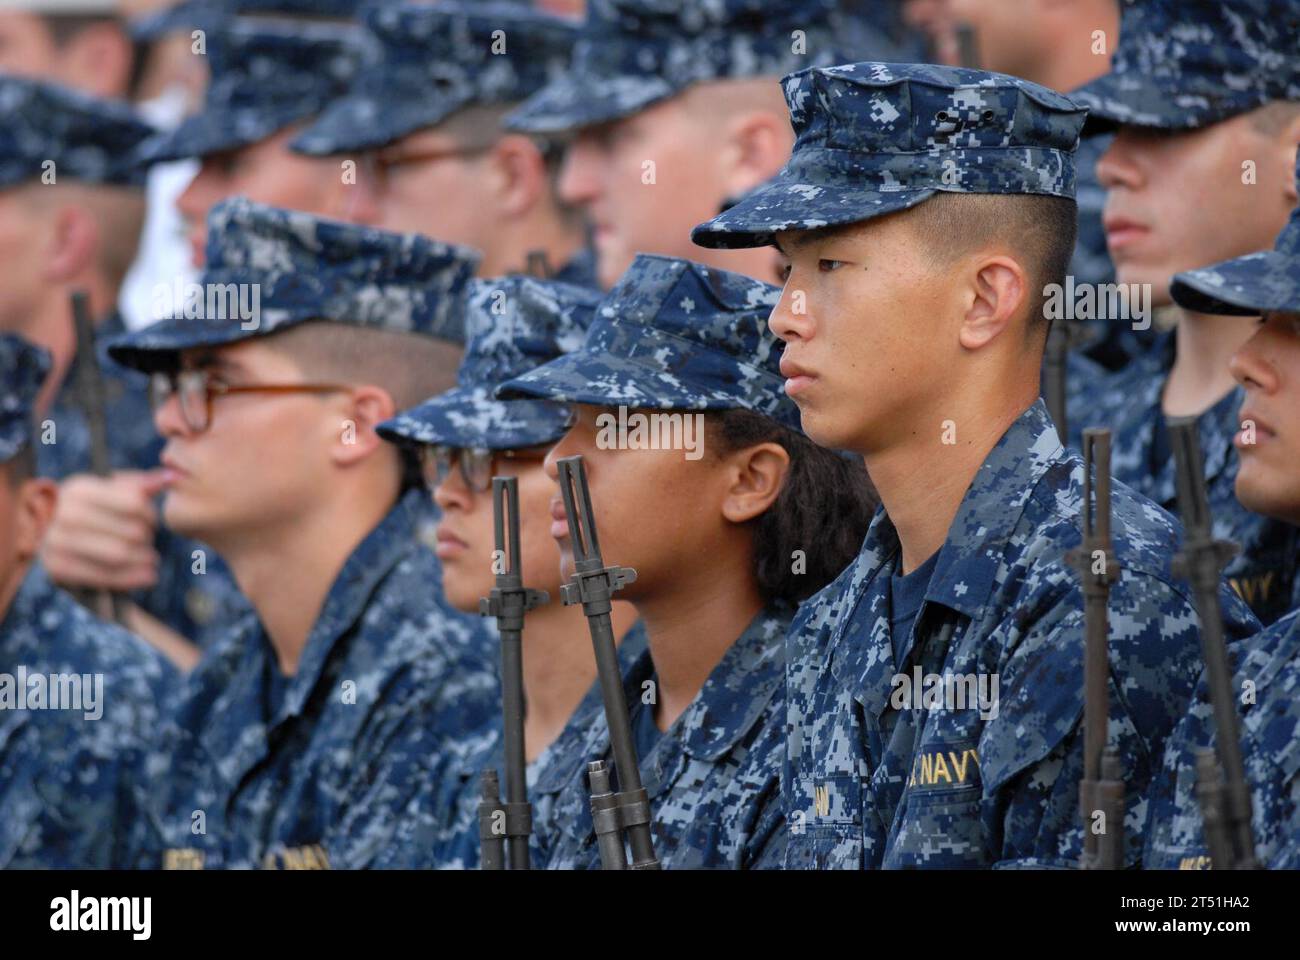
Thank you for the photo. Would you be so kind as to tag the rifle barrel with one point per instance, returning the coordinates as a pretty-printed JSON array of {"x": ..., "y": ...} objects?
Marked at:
[
  {"x": 1201, "y": 561},
  {"x": 593, "y": 584}
]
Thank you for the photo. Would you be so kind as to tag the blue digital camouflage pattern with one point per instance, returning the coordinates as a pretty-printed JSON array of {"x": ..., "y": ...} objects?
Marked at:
[
  {"x": 73, "y": 785},
  {"x": 391, "y": 676},
  {"x": 436, "y": 60},
  {"x": 48, "y": 131},
  {"x": 876, "y": 138},
  {"x": 513, "y": 324},
  {"x": 631, "y": 54},
  {"x": 1272, "y": 732},
  {"x": 306, "y": 267},
  {"x": 673, "y": 335},
  {"x": 195, "y": 594},
  {"x": 211, "y": 14},
  {"x": 1266, "y": 683},
  {"x": 1249, "y": 285},
  {"x": 1186, "y": 64},
  {"x": 440, "y": 828},
  {"x": 876, "y": 779},
  {"x": 713, "y": 778},
  {"x": 23, "y": 369},
  {"x": 1265, "y": 571},
  {"x": 263, "y": 79}
]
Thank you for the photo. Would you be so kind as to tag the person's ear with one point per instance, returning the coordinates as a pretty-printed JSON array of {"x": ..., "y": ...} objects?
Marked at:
[
  {"x": 366, "y": 408},
  {"x": 754, "y": 480},
  {"x": 73, "y": 242},
  {"x": 519, "y": 175},
  {"x": 997, "y": 292},
  {"x": 37, "y": 499},
  {"x": 758, "y": 144}
]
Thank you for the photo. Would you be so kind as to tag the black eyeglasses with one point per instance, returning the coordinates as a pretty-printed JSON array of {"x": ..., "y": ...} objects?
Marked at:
[
  {"x": 477, "y": 464},
  {"x": 196, "y": 388}
]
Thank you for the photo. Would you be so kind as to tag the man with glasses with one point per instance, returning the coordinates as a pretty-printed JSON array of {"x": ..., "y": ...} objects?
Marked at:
[
  {"x": 327, "y": 706},
  {"x": 427, "y": 115}
]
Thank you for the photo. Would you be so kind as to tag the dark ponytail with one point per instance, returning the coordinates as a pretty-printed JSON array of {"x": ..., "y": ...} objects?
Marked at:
[{"x": 823, "y": 509}]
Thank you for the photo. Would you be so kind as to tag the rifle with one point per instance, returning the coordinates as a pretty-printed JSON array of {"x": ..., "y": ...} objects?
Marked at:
[
  {"x": 1058, "y": 344},
  {"x": 508, "y": 601},
  {"x": 92, "y": 399},
  {"x": 1221, "y": 774},
  {"x": 1102, "y": 788},
  {"x": 538, "y": 264},
  {"x": 626, "y": 810}
]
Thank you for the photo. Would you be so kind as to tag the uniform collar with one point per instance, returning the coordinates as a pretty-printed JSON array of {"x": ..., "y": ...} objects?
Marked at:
[
  {"x": 363, "y": 571},
  {"x": 971, "y": 558},
  {"x": 33, "y": 598},
  {"x": 738, "y": 689},
  {"x": 1143, "y": 386},
  {"x": 731, "y": 701},
  {"x": 235, "y": 743}
]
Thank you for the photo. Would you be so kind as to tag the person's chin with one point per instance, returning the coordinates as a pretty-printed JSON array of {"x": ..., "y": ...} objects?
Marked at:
[
  {"x": 612, "y": 261},
  {"x": 179, "y": 513},
  {"x": 460, "y": 593},
  {"x": 1270, "y": 492}
]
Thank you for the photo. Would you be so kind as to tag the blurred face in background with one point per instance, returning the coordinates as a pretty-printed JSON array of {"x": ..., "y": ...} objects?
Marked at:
[
  {"x": 1268, "y": 368},
  {"x": 466, "y": 535},
  {"x": 264, "y": 172},
  {"x": 95, "y": 58},
  {"x": 1178, "y": 201}
]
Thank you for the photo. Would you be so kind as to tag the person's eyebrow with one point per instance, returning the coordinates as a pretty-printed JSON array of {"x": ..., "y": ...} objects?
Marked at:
[
  {"x": 797, "y": 239},
  {"x": 214, "y": 362}
]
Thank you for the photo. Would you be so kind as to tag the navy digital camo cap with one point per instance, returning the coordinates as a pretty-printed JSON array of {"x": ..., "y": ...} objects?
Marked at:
[
  {"x": 673, "y": 335},
  {"x": 876, "y": 138},
  {"x": 434, "y": 61},
  {"x": 1186, "y": 64},
  {"x": 1247, "y": 286},
  {"x": 23, "y": 368},
  {"x": 634, "y": 53},
  {"x": 48, "y": 130},
  {"x": 513, "y": 325},
  {"x": 209, "y": 14},
  {"x": 264, "y": 78},
  {"x": 269, "y": 269}
]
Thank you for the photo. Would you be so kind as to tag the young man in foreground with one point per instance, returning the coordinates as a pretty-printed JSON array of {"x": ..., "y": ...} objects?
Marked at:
[
  {"x": 923, "y": 211},
  {"x": 329, "y": 701}
]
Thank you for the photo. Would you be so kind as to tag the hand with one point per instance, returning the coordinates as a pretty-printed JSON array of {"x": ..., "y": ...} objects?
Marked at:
[{"x": 103, "y": 531}]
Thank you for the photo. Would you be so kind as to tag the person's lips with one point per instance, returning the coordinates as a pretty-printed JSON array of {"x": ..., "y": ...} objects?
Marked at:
[
  {"x": 173, "y": 471},
  {"x": 1122, "y": 231},
  {"x": 797, "y": 379},
  {"x": 1260, "y": 431},
  {"x": 559, "y": 520},
  {"x": 449, "y": 546}
]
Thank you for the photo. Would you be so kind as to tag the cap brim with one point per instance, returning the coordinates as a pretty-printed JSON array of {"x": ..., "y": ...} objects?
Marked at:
[
  {"x": 156, "y": 346},
  {"x": 787, "y": 204},
  {"x": 601, "y": 380},
  {"x": 215, "y": 131},
  {"x": 1245, "y": 287},
  {"x": 362, "y": 122},
  {"x": 576, "y": 101},
  {"x": 1132, "y": 100},
  {"x": 470, "y": 417}
]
